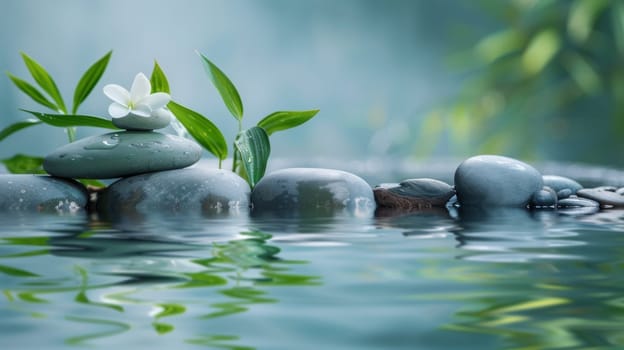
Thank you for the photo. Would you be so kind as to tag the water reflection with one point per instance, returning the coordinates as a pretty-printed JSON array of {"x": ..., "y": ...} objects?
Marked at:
[{"x": 96, "y": 277}]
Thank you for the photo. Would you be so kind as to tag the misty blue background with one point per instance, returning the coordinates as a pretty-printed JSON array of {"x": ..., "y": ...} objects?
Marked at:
[{"x": 371, "y": 67}]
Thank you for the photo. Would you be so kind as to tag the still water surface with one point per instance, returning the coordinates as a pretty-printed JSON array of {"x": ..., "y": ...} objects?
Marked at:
[{"x": 472, "y": 279}]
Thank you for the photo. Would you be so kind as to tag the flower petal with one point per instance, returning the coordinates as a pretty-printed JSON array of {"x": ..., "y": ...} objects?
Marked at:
[
  {"x": 117, "y": 94},
  {"x": 117, "y": 110},
  {"x": 141, "y": 88},
  {"x": 142, "y": 110},
  {"x": 155, "y": 101}
]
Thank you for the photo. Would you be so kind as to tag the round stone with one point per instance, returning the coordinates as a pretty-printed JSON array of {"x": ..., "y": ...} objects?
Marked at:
[
  {"x": 564, "y": 193},
  {"x": 413, "y": 194},
  {"x": 546, "y": 197},
  {"x": 158, "y": 120},
  {"x": 41, "y": 193},
  {"x": 188, "y": 190},
  {"x": 605, "y": 197},
  {"x": 120, "y": 154},
  {"x": 561, "y": 183},
  {"x": 489, "y": 180},
  {"x": 313, "y": 191}
]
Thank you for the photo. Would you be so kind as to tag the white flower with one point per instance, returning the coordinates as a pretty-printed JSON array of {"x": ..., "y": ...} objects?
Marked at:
[{"x": 138, "y": 101}]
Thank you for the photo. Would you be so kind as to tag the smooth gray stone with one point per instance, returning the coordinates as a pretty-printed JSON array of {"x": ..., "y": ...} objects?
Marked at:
[
  {"x": 489, "y": 180},
  {"x": 41, "y": 193},
  {"x": 135, "y": 122},
  {"x": 119, "y": 154},
  {"x": 559, "y": 183},
  {"x": 413, "y": 194},
  {"x": 546, "y": 197},
  {"x": 313, "y": 191},
  {"x": 564, "y": 193},
  {"x": 574, "y": 202},
  {"x": 602, "y": 196},
  {"x": 183, "y": 190},
  {"x": 620, "y": 191}
]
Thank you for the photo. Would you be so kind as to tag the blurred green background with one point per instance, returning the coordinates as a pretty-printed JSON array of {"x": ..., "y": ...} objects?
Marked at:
[{"x": 537, "y": 80}]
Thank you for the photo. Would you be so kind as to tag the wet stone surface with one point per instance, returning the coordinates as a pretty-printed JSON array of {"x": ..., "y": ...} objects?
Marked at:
[
  {"x": 488, "y": 180},
  {"x": 313, "y": 191},
  {"x": 606, "y": 196},
  {"x": 41, "y": 193},
  {"x": 203, "y": 190},
  {"x": 120, "y": 154},
  {"x": 546, "y": 197},
  {"x": 413, "y": 194},
  {"x": 564, "y": 186},
  {"x": 574, "y": 202}
]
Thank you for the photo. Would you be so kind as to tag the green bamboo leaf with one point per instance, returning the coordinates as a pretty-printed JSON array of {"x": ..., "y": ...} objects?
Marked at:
[
  {"x": 202, "y": 129},
  {"x": 32, "y": 92},
  {"x": 225, "y": 87},
  {"x": 159, "y": 80},
  {"x": 24, "y": 164},
  {"x": 283, "y": 120},
  {"x": 89, "y": 79},
  {"x": 45, "y": 81},
  {"x": 68, "y": 120},
  {"x": 13, "y": 128},
  {"x": 254, "y": 147}
]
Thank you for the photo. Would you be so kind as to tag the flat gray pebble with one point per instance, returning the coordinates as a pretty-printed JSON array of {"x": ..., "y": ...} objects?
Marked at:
[{"x": 120, "y": 154}]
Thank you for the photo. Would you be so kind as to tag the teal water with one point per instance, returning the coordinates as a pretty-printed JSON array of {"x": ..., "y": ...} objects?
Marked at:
[{"x": 504, "y": 279}]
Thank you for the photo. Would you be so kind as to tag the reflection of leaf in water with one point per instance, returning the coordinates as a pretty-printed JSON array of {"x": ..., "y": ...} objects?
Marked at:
[
  {"x": 13, "y": 271},
  {"x": 170, "y": 310},
  {"x": 81, "y": 297},
  {"x": 30, "y": 297},
  {"x": 243, "y": 296},
  {"x": 27, "y": 254},
  {"x": 36, "y": 241},
  {"x": 282, "y": 279},
  {"x": 118, "y": 328},
  {"x": 162, "y": 328},
  {"x": 217, "y": 341},
  {"x": 202, "y": 279}
]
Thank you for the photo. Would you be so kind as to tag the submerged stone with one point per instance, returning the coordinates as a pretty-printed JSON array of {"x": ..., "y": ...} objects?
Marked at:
[
  {"x": 182, "y": 190},
  {"x": 562, "y": 185},
  {"x": 602, "y": 195},
  {"x": 120, "y": 154},
  {"x": 413, "y": 194},
  {"x": 313, "y": 191},
  {"x": 41, "y": 193},
  {"x": 489, "y": 180}
]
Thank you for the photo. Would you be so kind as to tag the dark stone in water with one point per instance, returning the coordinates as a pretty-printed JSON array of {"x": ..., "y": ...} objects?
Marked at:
[
  {"x": 414, "y": 194},
  {"x": 546, "y": 197},
  {"x": 182, "y": 190},
  {"x": 312, "y": 191},
  {"x": 41, "y": 193},
  {"x": 603, "y": 195}
]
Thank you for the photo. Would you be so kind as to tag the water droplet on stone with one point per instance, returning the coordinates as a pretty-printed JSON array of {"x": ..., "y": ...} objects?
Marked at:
[{"x": 106, "y": 142}]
